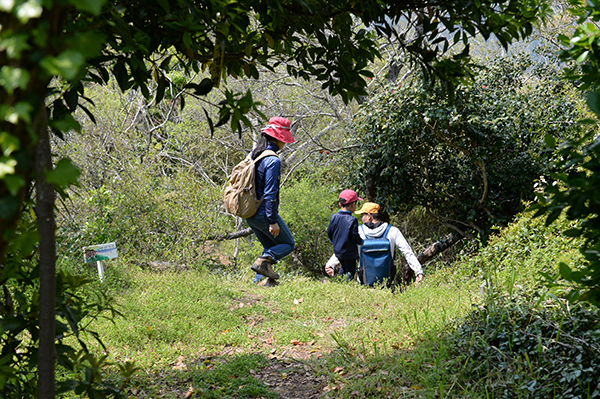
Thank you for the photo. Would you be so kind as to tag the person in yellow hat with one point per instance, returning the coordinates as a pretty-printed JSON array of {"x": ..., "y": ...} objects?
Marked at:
[{"x": 373, "y": 226}]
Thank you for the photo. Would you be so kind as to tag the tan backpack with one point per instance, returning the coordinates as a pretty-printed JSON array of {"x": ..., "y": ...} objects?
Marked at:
[{"x": 240, "y": 194}]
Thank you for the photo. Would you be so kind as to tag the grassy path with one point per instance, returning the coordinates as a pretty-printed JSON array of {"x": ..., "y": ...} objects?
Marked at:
[{"x": 220, "y": 336}]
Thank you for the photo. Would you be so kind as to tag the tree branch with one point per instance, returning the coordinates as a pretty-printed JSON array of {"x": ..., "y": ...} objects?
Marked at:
[{"x": 231, "y": 236}]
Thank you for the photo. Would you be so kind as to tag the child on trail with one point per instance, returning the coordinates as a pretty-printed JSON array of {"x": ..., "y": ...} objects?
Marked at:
[
  {"x": 373, "y": 226},
  {"x": 343, "y": 233}
]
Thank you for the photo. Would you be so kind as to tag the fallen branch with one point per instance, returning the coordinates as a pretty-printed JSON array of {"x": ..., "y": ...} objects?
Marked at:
[
  {"x": 438, "y": 247},
  {"x": 231, "y": 236}
]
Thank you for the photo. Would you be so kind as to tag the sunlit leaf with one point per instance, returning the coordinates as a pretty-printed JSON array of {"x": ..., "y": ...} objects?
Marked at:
[
  {"x": 7, "y": 5},
  {"x": 13, "y": 78},
  {"x": 67, "y": 64},
  {"x": 29, "y": 10},
  {"x": 7, "y": 166}
]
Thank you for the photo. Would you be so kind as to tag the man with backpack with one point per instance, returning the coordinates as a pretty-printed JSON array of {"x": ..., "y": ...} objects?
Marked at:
[{"x": 373, "y": 258}]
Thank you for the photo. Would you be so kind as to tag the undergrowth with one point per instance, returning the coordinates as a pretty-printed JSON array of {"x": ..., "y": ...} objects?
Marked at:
[{"x": 513, "y": 348}]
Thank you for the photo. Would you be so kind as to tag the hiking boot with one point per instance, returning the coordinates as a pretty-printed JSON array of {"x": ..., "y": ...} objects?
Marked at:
[
  {"x": 268, "y": 282},
  {"x": 263, "y": 266},
  {"x": 269, "y": 259}
]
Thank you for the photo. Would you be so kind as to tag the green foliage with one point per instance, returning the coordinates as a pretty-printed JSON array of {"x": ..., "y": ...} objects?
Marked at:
[
  {"x": 515, "y": 349},
  {"x": 49, "y": 49},
  {"x": 576, "y": 193},
  {"x": 523, "y": 341},
  {"x": 581, "y": 49},
  {"x": 523, "y": 256},
  {"x": 76, "y": 307},
  {"x": 575, "y": 189},
  {"x": 306, "y": 208},
  {"x": 140, "y": 43},
  {"x": 159, "y": 218},
  {"x": 471, "y": 162},
  {"x": 360, "y": 336}
]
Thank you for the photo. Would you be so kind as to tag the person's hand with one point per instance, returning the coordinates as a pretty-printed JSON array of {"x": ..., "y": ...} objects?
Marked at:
[
  {"x": 329, "y": 270},
  {"x": 418, "y": 279},
  {"x": 274, "y": 229}
]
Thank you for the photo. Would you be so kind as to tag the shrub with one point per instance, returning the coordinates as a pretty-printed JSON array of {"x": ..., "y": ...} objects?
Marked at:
[
  {"x": 307, "y": 207},
  {"x": 160, "y": 218},
  {"x": 522, "y": 350}
]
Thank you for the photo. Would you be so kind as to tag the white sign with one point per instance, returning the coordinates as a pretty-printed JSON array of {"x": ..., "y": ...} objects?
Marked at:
[{"x": 99, "y": 252}]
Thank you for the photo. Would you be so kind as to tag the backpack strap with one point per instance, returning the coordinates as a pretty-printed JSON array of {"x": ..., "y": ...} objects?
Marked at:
[
  {"x": 265, "y": 154},
  {"x": 387, "y": 229},
  {"x": 384, "y": 235}
]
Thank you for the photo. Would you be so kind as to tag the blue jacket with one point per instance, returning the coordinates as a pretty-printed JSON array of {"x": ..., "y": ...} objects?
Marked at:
[
  {"x": 343, "y": 233},
  {"x": 268, "y": 171}
]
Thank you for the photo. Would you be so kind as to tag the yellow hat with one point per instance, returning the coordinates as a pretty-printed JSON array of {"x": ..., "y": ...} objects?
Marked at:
[{"x": 369, "y": 207}]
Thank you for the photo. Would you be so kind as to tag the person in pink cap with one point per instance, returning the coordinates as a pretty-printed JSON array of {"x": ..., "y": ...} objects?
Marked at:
[
  {"x": 267, "y": 225},
  {"x": 343, "y": 233}
]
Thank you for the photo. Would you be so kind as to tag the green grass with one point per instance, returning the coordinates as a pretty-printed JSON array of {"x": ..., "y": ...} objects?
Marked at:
[
  {"x": 210, "y": 333},
  {"x": 193, "y": 314},
  {"x": 176, "y": 321}
]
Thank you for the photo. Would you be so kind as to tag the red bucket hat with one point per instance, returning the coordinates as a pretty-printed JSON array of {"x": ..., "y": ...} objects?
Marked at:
[{"x": 279, "y": 128}]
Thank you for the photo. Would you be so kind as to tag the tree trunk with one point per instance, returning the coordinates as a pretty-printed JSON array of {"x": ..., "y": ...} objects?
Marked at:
[{"x": 47, "y": 229}]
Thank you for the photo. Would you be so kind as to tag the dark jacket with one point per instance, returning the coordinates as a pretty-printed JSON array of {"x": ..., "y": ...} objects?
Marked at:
[
  {"x": 268, "y": 170},
  {"x": 343, "y": 233}
]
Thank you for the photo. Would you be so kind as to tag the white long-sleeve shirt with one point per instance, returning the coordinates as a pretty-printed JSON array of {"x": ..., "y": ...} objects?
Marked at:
[{"x": 397, "y": 240}]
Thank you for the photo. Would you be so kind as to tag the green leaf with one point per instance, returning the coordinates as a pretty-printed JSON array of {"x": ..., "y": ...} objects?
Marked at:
[
  {"x": 14, "y": 45},
  {"x": 29, "y": 10},
  {"x": 7, "y": 5},
  {"x": 91, "y": 6},
  {"x": 202, "y": 88},
  {"x": 565, "y": 271},
  {"x": 593, "y": 101},
  {"x": 8, "y": 143},
  {"x": 67, "y": 64},
  {"x": 583, "y": 57},
  {"x": 7, "y": 166},
  {"x": 14, "y": 183},
  {"x": 572, "y": 232},
  {"x": 65, "y": 124},
  {"x": 64, "y": 174},
  {"x": 89, "y": 44},
  {"x": 210, "y": 122},
  {"x": 550, "y": 141},
  {"x": 13, "y": 78},
  {"x": 160, "y": 89}
]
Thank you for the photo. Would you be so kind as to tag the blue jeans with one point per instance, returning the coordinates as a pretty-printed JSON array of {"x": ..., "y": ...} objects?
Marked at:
[{"x": 275, "y": 247}]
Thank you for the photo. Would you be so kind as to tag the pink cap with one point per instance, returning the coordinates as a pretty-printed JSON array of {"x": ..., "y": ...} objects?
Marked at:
[{"x": 350, "y": 196}]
